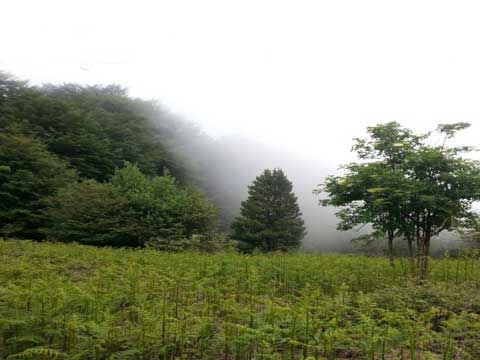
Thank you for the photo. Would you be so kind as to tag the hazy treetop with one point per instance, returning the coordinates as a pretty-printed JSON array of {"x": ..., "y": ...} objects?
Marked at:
[{"x": 308, "y": 75}]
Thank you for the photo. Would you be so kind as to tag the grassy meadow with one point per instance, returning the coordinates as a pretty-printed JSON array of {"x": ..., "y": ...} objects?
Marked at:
[{"x": 60, "y": 301}]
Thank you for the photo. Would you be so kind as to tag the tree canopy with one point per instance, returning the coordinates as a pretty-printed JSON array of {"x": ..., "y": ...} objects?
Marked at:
[
  {"x": 406, "y": 187},
  {"x": 96, "y": 129},
  {"x": 63, "y": 173}
]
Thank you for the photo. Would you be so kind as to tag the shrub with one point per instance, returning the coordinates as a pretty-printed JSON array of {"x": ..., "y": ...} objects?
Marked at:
[
  {"x": 28, "y": 174},
  {"x": 129, "y": 211}
]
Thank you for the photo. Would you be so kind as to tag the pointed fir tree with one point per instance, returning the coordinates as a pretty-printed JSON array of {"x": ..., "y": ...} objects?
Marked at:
[{"x": 270, "y": 218}]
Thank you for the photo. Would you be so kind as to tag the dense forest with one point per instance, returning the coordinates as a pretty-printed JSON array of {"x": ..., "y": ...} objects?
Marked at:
[
  {"x": 90, "y": 164},
  {"x": 95, "y": 130}
]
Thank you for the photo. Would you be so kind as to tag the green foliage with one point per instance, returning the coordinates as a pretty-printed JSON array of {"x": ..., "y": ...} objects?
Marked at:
[
  {"x": 69, "y": 301},
  {"x": 129, "y": 211},
  {"x": 11, "y": 91},
  {"x": 406, "y": 188},
  {"x": 270, "y": 218},
  {"x": 449, "y": 130},
  {"x": 94, "y": 130},
  {"x": 373, "y": 191},
  {"x": 92, "y": 213},
  {"x": 209, "y": 243},
  {"x": 28, "y": 175}
]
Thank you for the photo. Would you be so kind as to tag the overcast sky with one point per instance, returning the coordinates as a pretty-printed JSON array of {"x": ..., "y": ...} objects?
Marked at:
[{"x": 305, "y": 75}]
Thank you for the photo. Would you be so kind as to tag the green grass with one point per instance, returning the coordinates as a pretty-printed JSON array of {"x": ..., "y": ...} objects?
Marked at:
[{"x": 76, "y": 302}]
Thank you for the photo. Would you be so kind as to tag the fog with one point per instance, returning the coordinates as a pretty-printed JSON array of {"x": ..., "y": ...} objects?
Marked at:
[
  {"x": 232, "y": 163},
  {"x": 273, "y": 83}
]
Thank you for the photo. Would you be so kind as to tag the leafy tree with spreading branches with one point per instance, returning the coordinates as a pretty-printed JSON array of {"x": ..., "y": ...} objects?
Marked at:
[{"x": 405, "y": 187}]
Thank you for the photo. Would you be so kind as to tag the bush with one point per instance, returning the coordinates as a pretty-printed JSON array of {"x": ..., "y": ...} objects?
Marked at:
[
  {"x": 129, "y": 211},
  {"x": 95, "y": 214},
  {"x": 28, "y": 175}
]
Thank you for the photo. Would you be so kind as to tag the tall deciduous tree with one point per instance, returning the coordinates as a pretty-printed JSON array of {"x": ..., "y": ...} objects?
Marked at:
[
  {"x": 270, "y": 218},
  {"x": 372, "y": 191},
  {"x": 406, "y": 187},
  {"x": 442, "y": 189}
]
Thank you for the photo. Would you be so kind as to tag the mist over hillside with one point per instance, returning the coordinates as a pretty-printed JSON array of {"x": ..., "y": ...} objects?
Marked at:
[
  {"x": 226, "y": 166},
  {"x": 96, "y": 130}
]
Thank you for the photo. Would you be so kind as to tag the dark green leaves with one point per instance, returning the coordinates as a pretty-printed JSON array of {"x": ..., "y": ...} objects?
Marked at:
[
  {"x": 407, "y": 187},
  {"x": 270, "y": 217},
  {"x": 28, "y": 175},
  {"x": 130, "y": 211}
]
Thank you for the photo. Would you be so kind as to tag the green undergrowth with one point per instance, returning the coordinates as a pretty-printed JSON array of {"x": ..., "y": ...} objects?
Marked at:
[{"x": 61, "y": 301}]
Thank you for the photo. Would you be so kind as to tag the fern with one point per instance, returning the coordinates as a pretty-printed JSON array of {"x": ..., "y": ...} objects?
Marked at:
[
  {"x": 76, "y": 302},
  {"x": 38, "y": 353}
]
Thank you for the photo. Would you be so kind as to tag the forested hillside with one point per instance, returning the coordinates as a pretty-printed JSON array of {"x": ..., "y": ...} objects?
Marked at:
[
  {"x": 67, "y": 149},
  {"x": 96, "y": 129},
  {"x": 77, "y": 162},
  {"x": 87, "y": 132}
]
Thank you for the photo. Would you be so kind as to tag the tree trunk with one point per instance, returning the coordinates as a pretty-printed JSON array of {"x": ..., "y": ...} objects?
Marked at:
[
  {"x": 418, "y": 236},
  {"x": 411, "y": 254},
  {"x": 390, "y": 247},
  {"x": 424, "y": 256}
]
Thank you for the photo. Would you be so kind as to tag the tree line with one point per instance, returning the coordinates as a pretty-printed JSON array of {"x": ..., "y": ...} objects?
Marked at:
[
  {"x": 92, "y": 165},
  {"x": 89, "y": 164}
]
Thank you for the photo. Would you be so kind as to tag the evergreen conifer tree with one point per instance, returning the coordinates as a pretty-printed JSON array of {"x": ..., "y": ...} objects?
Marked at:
[{"x": 270, "y": 218}]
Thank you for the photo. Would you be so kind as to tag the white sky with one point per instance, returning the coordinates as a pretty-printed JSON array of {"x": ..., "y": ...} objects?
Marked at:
[{"x": 306, "y": 75}]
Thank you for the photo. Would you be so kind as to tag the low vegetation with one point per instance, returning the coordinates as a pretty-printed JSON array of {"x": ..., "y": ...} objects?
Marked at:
[{"x": 67, "y": 301}]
